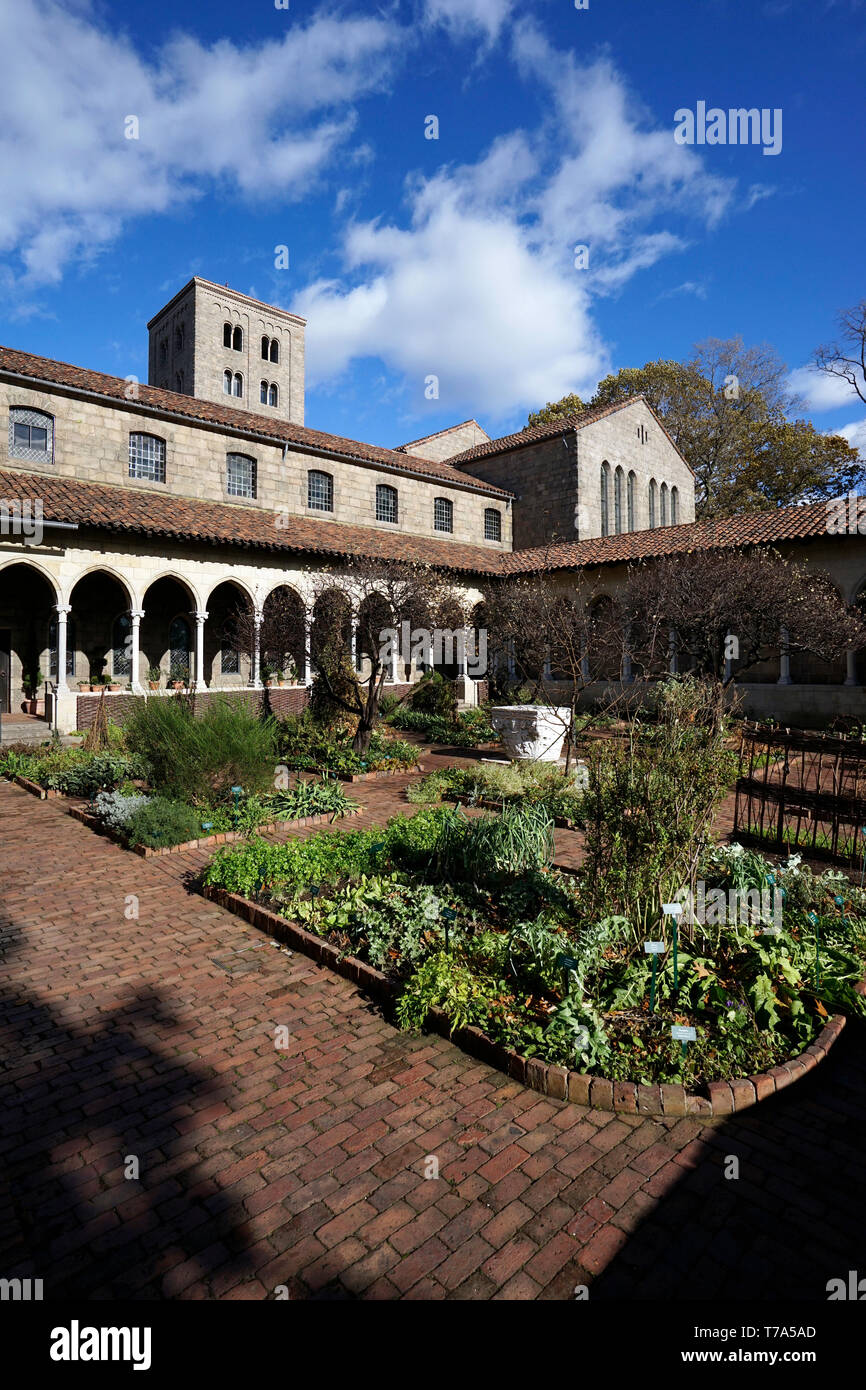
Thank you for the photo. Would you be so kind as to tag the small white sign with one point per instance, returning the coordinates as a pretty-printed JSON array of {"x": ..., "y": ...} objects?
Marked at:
[
  {"x": 682, "y": 1034},
  {"x": 654, "y": 948},
  {"x": 672, "y": 909}
]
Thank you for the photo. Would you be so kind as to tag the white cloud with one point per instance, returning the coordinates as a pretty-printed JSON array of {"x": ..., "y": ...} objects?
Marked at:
[
  {"x": 463, "y": 18},
  {"x": 479, "y": 286},
  {"x": 820, "y": 391},
  {"x": 261, "y": 119},
  {"x": 855, "y": 433}
]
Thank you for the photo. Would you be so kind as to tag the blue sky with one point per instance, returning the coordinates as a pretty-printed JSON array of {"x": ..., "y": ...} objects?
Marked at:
[{"x": 454, "y": 257}]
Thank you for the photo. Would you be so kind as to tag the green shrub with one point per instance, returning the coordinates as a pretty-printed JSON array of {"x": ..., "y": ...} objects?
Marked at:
[
  {"x": 468, "y": 729},
  {"x": 163, "y": 822},
  {"x": 199, "y": 759},
  {"x": 309, "y": 746},
  {"x": 436, "y": 695}
]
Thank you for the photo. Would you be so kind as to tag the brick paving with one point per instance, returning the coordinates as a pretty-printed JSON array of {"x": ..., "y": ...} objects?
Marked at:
[{"x": 153, "y": 1038}]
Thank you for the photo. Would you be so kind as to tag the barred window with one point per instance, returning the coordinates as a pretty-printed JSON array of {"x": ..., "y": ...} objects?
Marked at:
[
  {"x": 230, "y": 661},
  {"x": 320, "y": 491},
  {"x": 147, "y": 457},
  {"x": 492, "y": 524},
  {"x": 443, "y": 514},
  {"x": 31, "y": 435},
  {"x": 240, "y": 475},
  {"x": 121, "y": 646},
  {"x": 386, "y": 502}
]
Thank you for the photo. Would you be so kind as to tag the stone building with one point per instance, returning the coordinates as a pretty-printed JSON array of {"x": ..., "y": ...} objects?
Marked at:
[{"x": 134, "y": 518}]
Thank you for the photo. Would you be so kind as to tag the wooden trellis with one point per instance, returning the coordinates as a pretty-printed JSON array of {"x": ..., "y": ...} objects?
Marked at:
[{"x": 802, "y": 792}]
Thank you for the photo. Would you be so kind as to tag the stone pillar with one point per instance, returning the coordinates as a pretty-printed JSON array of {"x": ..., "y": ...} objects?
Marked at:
[
  {"x": 62, "y": 610},
  {"x": 674, "y": 662},
  {"x": 199, "y": 682},
  {"x": 257, "y": 648},
  {"x": 135, "y": 617},
  {"x": 784, "y": 659},
  {"x": 851, "y": 668}
]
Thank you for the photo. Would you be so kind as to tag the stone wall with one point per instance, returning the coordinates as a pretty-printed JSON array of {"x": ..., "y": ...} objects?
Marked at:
[{"x": 447, "y": 443}]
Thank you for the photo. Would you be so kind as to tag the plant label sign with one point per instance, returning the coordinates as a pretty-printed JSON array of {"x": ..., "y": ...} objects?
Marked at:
[
  {"x": 567, "y": 963},
  {"x": 680, "y": 1033},
  {"x": 672, "y": 909},
  {"x": 654, "y": 948}
]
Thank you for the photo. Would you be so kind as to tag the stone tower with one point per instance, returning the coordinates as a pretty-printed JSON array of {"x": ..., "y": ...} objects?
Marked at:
[{"x": 217, "y": 345}]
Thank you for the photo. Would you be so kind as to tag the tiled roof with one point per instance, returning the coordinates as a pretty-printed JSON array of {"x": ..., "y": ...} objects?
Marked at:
[
  {"x": 139, "y": 511},
  {"x": 754, "y": 528},
  {"x": 43, "y": 369},
  {"x": 437, "y": 434},
  {"x": 550, "y": 430}
]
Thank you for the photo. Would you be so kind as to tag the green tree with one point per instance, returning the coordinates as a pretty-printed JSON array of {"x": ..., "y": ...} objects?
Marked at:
[{"x": 565, "y": 409}]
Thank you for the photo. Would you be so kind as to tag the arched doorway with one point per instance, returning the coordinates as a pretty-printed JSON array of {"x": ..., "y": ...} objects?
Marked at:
[
  {"x": 167, "y": 637},
  {"x": 100, "y": 608},
  {"x": 27, "y": 600},
  {"x": 227, "y": 637}
]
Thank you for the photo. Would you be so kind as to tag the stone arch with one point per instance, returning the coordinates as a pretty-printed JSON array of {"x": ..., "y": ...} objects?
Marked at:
[
  {"x": 98, "y": 568},
  {"x": 228, "y": 655},
  {"x": 28, "y": 597},
  {"x": 166, "y": 598},
  {"x": 98, "y": 599}
]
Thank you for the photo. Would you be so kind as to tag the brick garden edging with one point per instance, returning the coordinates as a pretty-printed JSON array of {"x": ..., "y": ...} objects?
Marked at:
[
  {"x": 560, "y": 1083},
  {"x": 44, "y": 793},
  {"x": 356, "y": 776},
  {"x": 224, "y": 837}
]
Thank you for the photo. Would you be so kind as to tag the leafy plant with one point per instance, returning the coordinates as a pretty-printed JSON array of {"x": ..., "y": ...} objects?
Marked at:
[{"x": 161, "y": 822}]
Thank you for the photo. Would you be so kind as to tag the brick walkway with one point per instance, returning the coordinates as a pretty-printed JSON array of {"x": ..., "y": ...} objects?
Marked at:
[{"x": 306, "y": 1167}]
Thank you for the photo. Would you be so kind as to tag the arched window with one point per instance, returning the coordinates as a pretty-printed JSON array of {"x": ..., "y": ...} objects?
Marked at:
[
  {"x": 443, "y": 514},
  {"x": 675, "y": 506},
  {"x": 237, "y": 385},
  {"x": 179, "y": 335},
  {"x": 163, "y": 350},
  {"x": 178, "y": 649},
  {"x": 630, "y": 500},
  {"x": 240, "y": 475},
  {"x": 275, "y": 350},
  {"x": 653, "y": 499},
  {"x": 121, "y": 646},
  {"x": 663, "y": 514},
  {"x": 238, "y": 338},
  {"x": 31, "y": 434},
  {"x": 605, "y": 499},
  {"x": 227, "y": 335},
  {"x": 227, "y": 382},
  {"x": 266, "y": 343},
  {"x": 386, "y": 503},
  {"x": 320, "y": 491},
  {"x": 617, "y": 501},
  {"x": 273, "y": 394},
  {"x": 492, "y": 524},
  {"x": 178, "y": 382},
  {"x": 263, "y": 392},
  {"x": 147, "y": 457},
  {"x": 70, "y": 647}
]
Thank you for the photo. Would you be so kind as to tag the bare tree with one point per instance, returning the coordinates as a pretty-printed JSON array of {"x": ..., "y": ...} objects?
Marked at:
[
  {"x": 727, "y": 610},
  {"x": 846, "y": 358}
]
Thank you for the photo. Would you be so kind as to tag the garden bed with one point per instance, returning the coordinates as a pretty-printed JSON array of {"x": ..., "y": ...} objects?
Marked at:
[
  {"x": 550, "y": 1079},
  {"x": 561, "y": 822},
  {"x": 44, "y": 793},
  {"x": 224, "y": 837}
]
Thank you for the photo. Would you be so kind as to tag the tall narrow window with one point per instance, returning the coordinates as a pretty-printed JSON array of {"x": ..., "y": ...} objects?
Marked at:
[
  {"x": 238, "y": 385},
  {"x": 663, "y": 515},
  {"x": 227, "y": 382},
  {"x": 238, "y": 338},
  {"x": 675, "y": 506},
  {"x": 147, "y": 457},
  {"x": 630, "y": 500},
  {"x": 227, "y": 335},
  {"x": 617, "y": 501},
  {"x": 604, "y": 484},
  {"x": 179, "y": 649},
  {"x": 178, "y": 382},
  {"x": 230, "y": 661},
  {"x": 121, "y": 646},
  {"x": 443, "y": 514},
  {"x": 320, "y": 491},
  {"x": 263, "y": 392},
  {"x": 386, "y": 503},
  {"x": 240, "y": 475},
  {"x": 275, "y": 350},
  {"x": 179, "y": 336},
  {"x": 31, "y": 434},
  {"x": 273, "y": 394},
  {"x": 653, "y": 499},
  {"x": 492, "y": 524},
  {"x": 266, "y": 343}
]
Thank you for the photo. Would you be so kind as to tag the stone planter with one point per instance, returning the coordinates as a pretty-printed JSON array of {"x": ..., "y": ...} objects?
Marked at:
[{"x": 531, "y": 732}]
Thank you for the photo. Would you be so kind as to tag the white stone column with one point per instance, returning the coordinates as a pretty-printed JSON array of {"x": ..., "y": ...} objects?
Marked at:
[
  {"x": 135, "y": 617},
  {"x": 850, "y": 668},
  {"x": 199, "y": 682},
  {"x": 674, "y": 662},
  {"x": 62, "y": 610},
  {"x": 257, "y": 648},
  {"x": 784, "y": 659}
]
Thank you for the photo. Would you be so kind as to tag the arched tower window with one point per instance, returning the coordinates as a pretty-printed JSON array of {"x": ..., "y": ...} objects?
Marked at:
[
  {"x": 630, "y": 501},
  {"x": 664, "y": 504},
  {"x": 605, "y": 499},
  {"x": 653, "y": 503},
  {"x": 617, "y": 500}
]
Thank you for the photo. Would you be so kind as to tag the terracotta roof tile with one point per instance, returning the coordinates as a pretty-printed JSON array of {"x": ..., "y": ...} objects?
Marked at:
[
  {"x": 140, "y": 511},
  {"x": 44, "y": 369}
]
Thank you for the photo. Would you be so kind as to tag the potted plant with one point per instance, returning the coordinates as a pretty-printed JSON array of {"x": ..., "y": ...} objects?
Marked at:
[
  {"x": 31, "y": 680},
  {"x": 85, "y": 686},
  {"x": 267, "y": 675},
  {"x": 153, "y": 675},
  {"x": 179, "y": 678}
]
